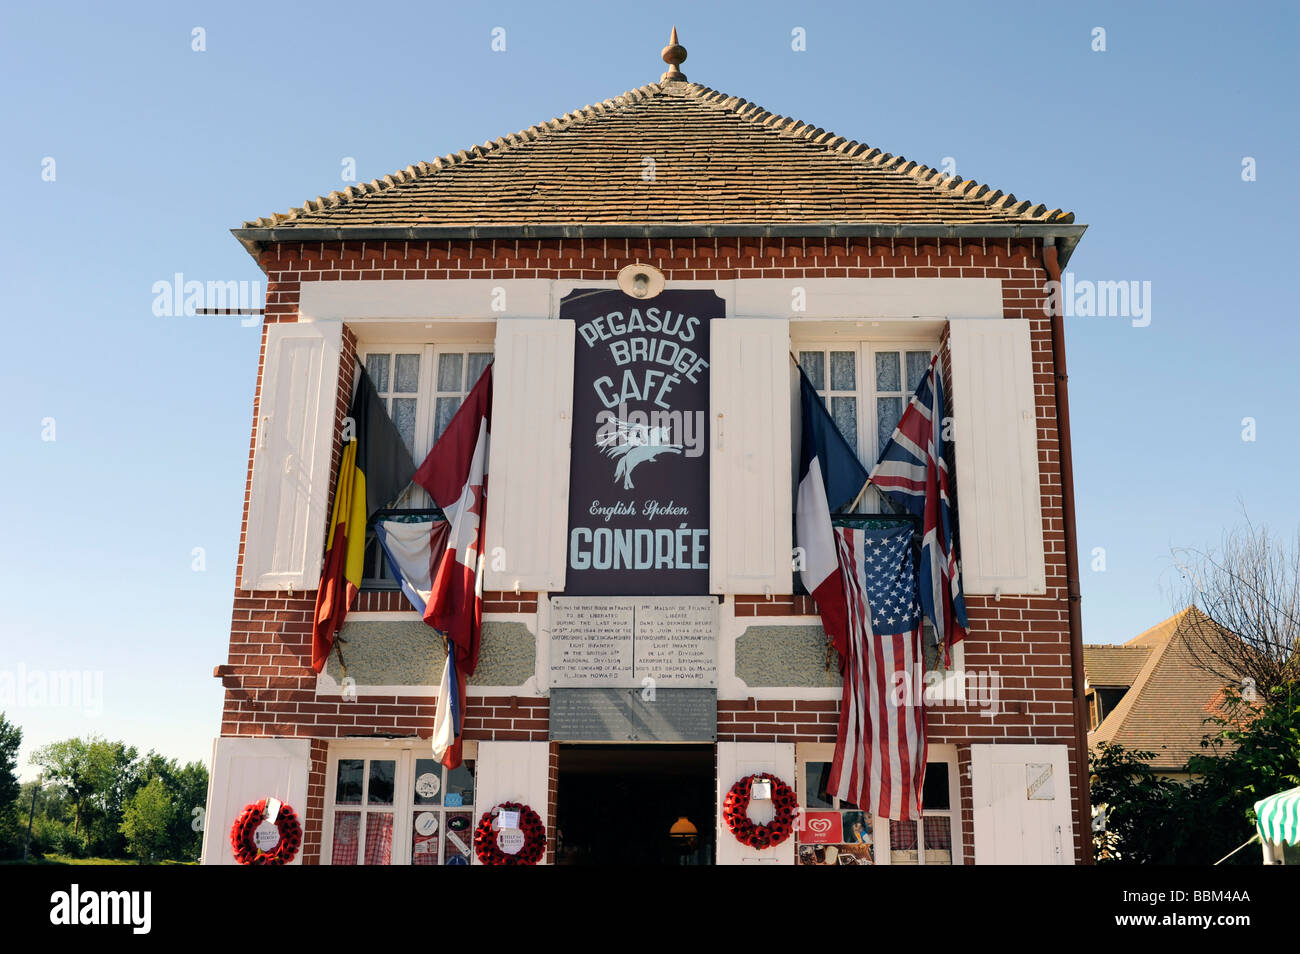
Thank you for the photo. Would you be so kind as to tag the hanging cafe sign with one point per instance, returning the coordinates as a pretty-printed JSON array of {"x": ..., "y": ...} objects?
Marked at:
[{"x": 639, "y": 476}]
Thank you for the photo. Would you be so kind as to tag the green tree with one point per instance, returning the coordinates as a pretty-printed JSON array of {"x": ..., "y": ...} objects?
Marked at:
[
  {"x": 187, "y": 785},
  {"x": 69, "y": 765},
  {"x": 97, "y": 775},
  {"x": 189, "y": 792},
  {"x": 1253, "y": 752},
  {"x": 146, "y": 818},
  {"x": 11, "y": 738},
  {"x": 1144, "y": 821}
]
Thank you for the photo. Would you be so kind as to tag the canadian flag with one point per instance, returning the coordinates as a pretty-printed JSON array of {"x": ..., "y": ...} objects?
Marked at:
[{"x": 455, "y": 475}]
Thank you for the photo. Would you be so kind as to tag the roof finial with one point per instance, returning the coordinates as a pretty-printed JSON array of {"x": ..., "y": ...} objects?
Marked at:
[{"x": 674, "y": 54}]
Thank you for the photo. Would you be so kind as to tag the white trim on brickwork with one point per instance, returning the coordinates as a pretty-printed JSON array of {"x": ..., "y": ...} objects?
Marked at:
[
  {"x": 732, "y": 688},
  {"x": 794, "y": 298},
  {"x": 327, "y": 687}
]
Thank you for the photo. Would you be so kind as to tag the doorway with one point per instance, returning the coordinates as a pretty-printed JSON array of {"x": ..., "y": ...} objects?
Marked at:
[{"x": 635, "y": 804}]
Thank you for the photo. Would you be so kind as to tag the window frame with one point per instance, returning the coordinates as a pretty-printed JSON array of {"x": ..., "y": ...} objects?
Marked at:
[
  {"x": 404, "y": 752},
  {"x": 866, "y": 391},
  {"x": 428, "y": 394},
  {"x": 415, "y": 498},
  {"x": 951, "y": 687},
  {"x": 806, "y": 752}
]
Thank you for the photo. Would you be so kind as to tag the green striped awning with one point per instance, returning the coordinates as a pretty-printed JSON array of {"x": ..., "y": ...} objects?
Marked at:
[{"x": 1279, "y": 817}]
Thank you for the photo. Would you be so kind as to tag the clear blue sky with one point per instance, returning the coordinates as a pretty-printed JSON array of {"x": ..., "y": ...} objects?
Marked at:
[{"x": 159, "y": 150}]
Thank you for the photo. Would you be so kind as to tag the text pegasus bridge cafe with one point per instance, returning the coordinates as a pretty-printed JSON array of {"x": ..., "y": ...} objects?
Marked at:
[{"x": 559, "y": 545}]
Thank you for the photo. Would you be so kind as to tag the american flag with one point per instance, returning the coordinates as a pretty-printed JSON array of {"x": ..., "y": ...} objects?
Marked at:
[
  {"x": 879, "y": 761},
  {"x": 913, "y": 472}
]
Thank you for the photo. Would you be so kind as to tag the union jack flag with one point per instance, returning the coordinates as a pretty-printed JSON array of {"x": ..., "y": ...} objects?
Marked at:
[
  {"x": 913, "y": 471},
  {"x": 880, "y": 745}
]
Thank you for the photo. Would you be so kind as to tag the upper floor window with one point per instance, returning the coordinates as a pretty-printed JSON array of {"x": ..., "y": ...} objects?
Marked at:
[
  {"x": 866, "y": 386},
  {"x": 423, "y": 386}
]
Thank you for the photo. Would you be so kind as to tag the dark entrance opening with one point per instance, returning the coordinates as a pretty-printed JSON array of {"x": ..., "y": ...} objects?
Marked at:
[{"x": 635, "y": 805}]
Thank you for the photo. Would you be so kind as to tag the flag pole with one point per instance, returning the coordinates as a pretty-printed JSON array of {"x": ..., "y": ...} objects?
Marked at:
[{"x": 858, "y": 498}]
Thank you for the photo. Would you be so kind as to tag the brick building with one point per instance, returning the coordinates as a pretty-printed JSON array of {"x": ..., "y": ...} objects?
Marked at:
[{"x": 859, "y": 263}]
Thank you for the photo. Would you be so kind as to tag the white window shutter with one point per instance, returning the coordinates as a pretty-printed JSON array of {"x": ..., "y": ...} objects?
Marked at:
[
  {"x": 528, "y": 466},
  {"x": 289, "y": 497},
  {"x": 1021, "y": 800},
  {"x": 735, "y": 761},
  {"x": 750, "y": 523},
  {"x": 995, "y": 433},
  {"x": 247, "y": 770}
]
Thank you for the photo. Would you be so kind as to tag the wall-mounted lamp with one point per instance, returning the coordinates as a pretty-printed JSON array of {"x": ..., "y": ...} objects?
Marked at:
[{"x": 641, "y": 281}]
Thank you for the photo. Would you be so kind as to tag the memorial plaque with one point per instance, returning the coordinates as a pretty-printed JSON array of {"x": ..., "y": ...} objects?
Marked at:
[
  {"x": 675, "y": 642},
  {"x": 634, "y": 715},
  {"x": 635, "y": 642},
  {"x": 591, "y": 642}
]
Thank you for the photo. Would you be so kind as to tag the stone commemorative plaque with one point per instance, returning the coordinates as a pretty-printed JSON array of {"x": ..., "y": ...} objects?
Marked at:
[
  {"x": 624, "y": 643},
  {"x": 633, "y": 715},
  {"x": 591, "y": 642}
]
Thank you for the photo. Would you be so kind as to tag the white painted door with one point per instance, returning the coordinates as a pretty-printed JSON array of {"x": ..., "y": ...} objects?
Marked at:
[
  {"x": 246, "y": 771},
  {"x": 1022, "y": 805},
  {"x": 514, "y": 772},
  {"x": 735, "y": 761}
]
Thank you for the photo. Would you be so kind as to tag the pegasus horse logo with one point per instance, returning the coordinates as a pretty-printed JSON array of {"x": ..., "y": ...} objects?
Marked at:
[{"x": 633, "y": 444}]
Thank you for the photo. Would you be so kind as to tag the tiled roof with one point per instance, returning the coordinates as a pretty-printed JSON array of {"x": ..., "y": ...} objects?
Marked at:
[
  {"x": 1112, "y": 666},
  {"x": 718, "y": 160},
  {"x": 1170, "y": 697}
]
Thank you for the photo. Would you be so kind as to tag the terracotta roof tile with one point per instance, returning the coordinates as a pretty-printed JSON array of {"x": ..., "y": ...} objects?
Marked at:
[
  {"x": 1170, "y": 697},
  {"x": 1112, "y": 666},
  {"x": 718, "y": 159}
]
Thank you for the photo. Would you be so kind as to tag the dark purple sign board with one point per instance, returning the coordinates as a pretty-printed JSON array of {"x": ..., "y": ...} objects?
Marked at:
[{"x": 639, "y": 476}]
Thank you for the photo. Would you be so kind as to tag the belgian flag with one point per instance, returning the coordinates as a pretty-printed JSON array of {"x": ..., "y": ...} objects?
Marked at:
[{"x": 376, "y": 467}]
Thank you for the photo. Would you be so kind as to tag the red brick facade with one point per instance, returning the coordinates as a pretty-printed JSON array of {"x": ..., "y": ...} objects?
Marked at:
[{"x": 268, "y": 678}]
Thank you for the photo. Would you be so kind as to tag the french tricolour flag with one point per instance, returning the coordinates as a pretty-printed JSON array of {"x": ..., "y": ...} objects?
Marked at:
[{"x": 830, "y": 476}]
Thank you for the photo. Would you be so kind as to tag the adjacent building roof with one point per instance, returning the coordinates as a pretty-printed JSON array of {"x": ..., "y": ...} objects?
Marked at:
[
  {"x": 671, "y": 157},
  {"x": 1113, "y": 666},
  {"x": 1170, "y": 697}
]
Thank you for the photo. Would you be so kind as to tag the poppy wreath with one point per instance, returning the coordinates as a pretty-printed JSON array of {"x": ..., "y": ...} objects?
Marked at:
[
  {"x": 245, "y": 848},
  {"x": 530, "y": 823},
  {"x": 735, "y": 812}
]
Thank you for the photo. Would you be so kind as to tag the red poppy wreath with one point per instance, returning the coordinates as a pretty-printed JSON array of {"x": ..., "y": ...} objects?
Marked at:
[
  {"x": 244, "y": 830},
  {"x": 735, "y": 812},
  {"x": 487, "y": 840}
]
